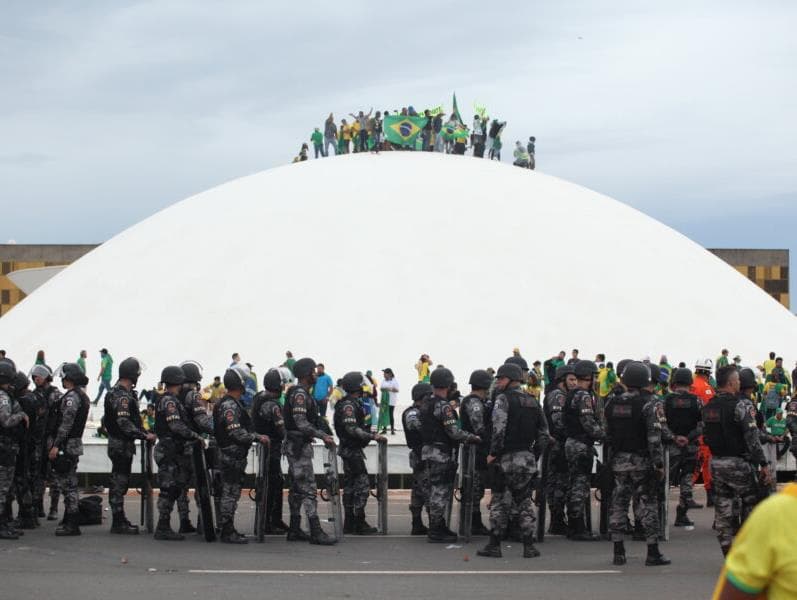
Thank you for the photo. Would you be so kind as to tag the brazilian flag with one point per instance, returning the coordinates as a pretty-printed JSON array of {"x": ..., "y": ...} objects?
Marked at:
[
  {"x": 403, "y": 130},
  {"x": 451, "y": 134}
]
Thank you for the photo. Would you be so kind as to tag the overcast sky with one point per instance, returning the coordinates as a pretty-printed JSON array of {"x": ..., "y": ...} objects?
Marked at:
[{"x": 110, "y": 111}]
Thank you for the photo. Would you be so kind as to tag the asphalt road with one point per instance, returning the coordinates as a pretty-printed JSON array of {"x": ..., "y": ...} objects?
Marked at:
[{"x": 100, "y": 565}]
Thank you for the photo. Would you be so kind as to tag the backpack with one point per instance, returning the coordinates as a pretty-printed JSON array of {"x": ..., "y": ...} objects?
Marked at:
[{"x": 90, "y": 510}]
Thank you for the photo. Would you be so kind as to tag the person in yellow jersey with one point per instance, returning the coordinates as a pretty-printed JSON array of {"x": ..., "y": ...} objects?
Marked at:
[
  {"x": 423, "y": 367},
  {"x": 762, "y": 562}
]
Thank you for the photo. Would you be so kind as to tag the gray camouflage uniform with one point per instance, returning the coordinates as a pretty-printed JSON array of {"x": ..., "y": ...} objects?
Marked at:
[
  {"x": 233, "y": 423},
  {"x": 202, "y": 423},
  {"x": 11, "y": 416},
  {"x": 580, "y": 455},
  {"x": 356, "y": 485},
  {"x": 419, "y": 495},
  {"x": 122, "y": 448},
  {"x": 472, "y": 409},
  {"x": 558, "y": 476},
  {"x": 71, "y": 446},
  {"x": 518, "y": 468}
]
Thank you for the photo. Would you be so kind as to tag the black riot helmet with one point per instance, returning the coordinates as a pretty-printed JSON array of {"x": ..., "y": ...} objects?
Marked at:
[
  {"x": 72, "y": 372},
  {"x": 130, "y": 369},
  {"x": 421, "y": 391},
  {"x": 272, "y": 380},
  {"x": 172, "y": 375},
  {"x": 234, "y": 379},
  {"x": 441, "y": 378},
  {"x": 562, "y": 371},
  {"x": 480, "y": 380},
  {"x": 192, "y": 371},
  {"x": 510, "y": 370},
  {"x": 303, "y": 367},
  {"x": 517, "y": 360},
  {"x": 682, "y": 377},
  {"x": 352, "y": 382},
  {"x": 7, "y": 372},
  {"x": 21, "y": 383},
  {"x": 636, "y": 375},
  {"x": 747, "y": 379},
  {"x": 42, "y": 371},
  {"x": 585, "y": 369},
  {"x": 622, "y": 365}
]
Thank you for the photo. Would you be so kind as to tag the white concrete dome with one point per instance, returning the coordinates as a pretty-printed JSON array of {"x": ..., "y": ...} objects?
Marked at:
[{"x": 365, "y": 262}]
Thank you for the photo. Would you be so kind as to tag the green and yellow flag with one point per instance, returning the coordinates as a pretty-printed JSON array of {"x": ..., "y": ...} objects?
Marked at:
[{"x": 403, "y": 130}]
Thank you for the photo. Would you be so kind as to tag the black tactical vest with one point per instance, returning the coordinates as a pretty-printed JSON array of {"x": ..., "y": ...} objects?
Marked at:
[
  {"x": 264, "y": 426},
  {"x": 548, "y": 401},
  {"x": 223, "y": 437},
  {"x": 571, "y": 419},
  {"x": 626, "y": 423},
  {"x": 161, "y": 425},
  {"x": 682, "y": 411},
  {"x": 79, "y": 424},
  {"x": 346, "y": 440},
  {"x": 432, "y": 430},
  {"x": 110, "y": 418},
  {"x": 310, "y": 406},
  {"x": 720, "y": 431},
  {"x": 523, "y": 420},
  {"x": 414, "y": 437}
]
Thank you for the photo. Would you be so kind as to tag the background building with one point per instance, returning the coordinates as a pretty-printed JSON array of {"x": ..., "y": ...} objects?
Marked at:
[
  {"x": 768, "y": 269},
  {"x": 15, "y": 257}
]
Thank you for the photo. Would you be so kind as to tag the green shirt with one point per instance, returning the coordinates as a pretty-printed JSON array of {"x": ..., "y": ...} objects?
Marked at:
[
  {"x": 776, "y": 426},
  {"x": 81, "y": 362},
  {"x": 106, "y": 365},
  {"x": 317, "y": 138}
]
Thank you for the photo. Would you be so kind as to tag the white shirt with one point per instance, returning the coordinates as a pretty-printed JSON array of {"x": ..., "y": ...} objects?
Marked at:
[{"x": 392, "y": 387}]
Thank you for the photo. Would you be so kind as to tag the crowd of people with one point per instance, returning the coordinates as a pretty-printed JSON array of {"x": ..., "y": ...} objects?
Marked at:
[
  {"x": 365, "y": 132},
  {"x": 655, "y": 422}
]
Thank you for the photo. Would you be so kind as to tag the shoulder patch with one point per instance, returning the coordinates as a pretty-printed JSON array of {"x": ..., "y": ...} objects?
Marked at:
[
  {"x": 229, "y": 415},
  {"x": 447, "y": 411},
  {"x": 348, "y": 410},
  {"x": 298, "y": 400}
]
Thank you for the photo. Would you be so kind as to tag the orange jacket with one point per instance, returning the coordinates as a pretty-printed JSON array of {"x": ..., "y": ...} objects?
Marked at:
[{"x": 702, "y": 389}]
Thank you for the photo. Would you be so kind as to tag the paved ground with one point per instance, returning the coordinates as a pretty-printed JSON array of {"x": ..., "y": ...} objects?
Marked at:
[{"x": 99, "y": 565}]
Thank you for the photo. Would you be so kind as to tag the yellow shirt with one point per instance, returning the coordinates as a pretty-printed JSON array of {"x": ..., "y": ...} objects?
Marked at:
[
  {"x": 763, "y": 557},
  {"x": 423, "y": 370},
  {"x": 768, "y": 366}
]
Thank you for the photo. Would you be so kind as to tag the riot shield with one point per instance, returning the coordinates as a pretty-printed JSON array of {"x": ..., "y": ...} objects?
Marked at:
[
  {"x": 381, "y": 489},
  {"x": 331, "y": 491},
  {"x": 466, "y": 481},
  {"x": 605, "y": 488},
  {"x": 449, "y": 507},
  {"x": 261, "y": 491},
  {"x": 214, "y": 478},
  {"x": 664, "y": 499},
  {"x": 541, "y": 500},
  {"x": 147, "y": 508},
  {"x": 202, "y": 491}
]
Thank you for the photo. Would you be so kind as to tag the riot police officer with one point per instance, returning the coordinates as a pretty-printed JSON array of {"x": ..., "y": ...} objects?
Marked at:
[
  {"x": 730, "y": 431},
  {"x": 413, "y": 434},
  {"x": 267, "y": 420},
  {"x": 519, "y": 435},
  {"x": 200, "y": 421},
  {"x": 174, "y": 433},
  {"x": 232, "y": 428},
  {"x": 12, "y": 417},
  {"x": 440, "y": 436},
  {"x": 122, "y": 421},
  {"x": 49, "y": 396},
  {"x": 302, "y": 425},
  {"x": 685, "y": 418},
  {"x": 477, "y": 420},
  {"x": 637, "y": 461},
  {"x": 349, "y": 421},
  {"x": 583, "y": 429},
  {"x": 558, "y": 475},
  {"x": 30, "y": 446},
  {"x": 68, "y": 443}
]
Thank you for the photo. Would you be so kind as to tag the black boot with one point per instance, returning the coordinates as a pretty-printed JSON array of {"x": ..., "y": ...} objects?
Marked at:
[
  {"x": 317, "y": 535},
  {"x": 710, "y": 497},
  {"x": 440, "y": 534},
  {"x": 476, "y": 525},
  {"x": 558, "y": 525},
  {"x": 295, "y": 533},
  {"x": 655, "y": 558},
  {"x": 529, "y": 551},
  {"x": 40, "y": 508},
  {"x": 70, "y": 526},
  {"x": 230, "y": 536},
  {"x": 619, "y": 553},
  {"x": 348, "y": 519},
  {"x": 681, "y": 520},
  {"x": 165, "y": 532},
  {"x": 25, "y": 519},
  {"x": 5, "y": 532},
  {"x": 418, "y": 528},
  {"x": 121, "y": 526},
  {"x": 493, "y": 547},
  {"x": 580, "y": 533},
  {"x": 186, "y": 526},
  {"x": 361, "y": 526}
]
